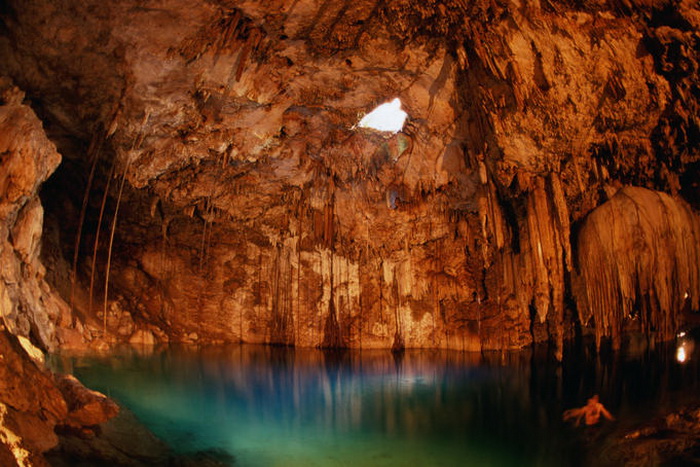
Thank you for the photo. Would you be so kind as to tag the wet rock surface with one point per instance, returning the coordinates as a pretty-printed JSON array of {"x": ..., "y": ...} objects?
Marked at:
[
  {"x": 640, "y": 240},
  {"x": 670, "y": 440},
  {"x": 28, "y": 306},
  {"x": 86, "y": 408},
  {"x": 30, "y": 406}
]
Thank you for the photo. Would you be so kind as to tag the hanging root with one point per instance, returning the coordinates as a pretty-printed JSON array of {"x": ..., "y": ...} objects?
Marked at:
[
  {"x": 109, "y": 249},
  {"x": 94, "y": 153},
  {"x": 97, "y": 235}
]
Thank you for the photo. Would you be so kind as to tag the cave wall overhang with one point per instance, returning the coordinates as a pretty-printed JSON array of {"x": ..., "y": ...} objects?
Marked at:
[{"x": 253, "y": 210}]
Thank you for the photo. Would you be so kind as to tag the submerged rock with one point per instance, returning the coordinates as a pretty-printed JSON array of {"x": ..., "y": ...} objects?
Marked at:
[{"x": 124, "y": 441}]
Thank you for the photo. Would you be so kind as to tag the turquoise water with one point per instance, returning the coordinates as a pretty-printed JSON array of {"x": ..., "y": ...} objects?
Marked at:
[{"x": 271, "y": 406}]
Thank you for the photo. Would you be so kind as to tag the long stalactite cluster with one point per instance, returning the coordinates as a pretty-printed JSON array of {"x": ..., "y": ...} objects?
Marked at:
[{"x": 638, "y": 255}]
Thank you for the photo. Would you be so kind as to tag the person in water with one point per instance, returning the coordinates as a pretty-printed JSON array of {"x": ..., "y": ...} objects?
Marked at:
[{"x": 590, "y": 412}]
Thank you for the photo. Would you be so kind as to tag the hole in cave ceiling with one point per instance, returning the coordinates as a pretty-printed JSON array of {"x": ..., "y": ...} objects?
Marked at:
[{"x": 386, "y": 117}]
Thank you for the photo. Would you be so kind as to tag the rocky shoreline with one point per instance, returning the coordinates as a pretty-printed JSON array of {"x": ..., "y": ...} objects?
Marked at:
[{"x": 672, "y": 439}]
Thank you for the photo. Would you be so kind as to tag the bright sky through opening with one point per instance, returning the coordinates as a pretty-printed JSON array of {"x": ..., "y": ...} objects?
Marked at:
[{"x": 387, "y": 117}]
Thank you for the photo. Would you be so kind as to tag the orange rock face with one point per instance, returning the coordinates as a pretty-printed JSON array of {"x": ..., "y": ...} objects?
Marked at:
[
  {"x": 640, "y": 240},
  {"x": 86, "y": 408},
  {"x": 233, "y": 198},
  {"x": 31, "y": 405}
]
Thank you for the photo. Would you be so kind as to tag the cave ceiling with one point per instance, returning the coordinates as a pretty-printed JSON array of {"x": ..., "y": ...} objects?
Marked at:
[{"x": 225, "y": 137}]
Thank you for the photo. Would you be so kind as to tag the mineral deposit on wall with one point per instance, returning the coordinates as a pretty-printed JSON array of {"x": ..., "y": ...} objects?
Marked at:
[{"x": 220, "y": 189}]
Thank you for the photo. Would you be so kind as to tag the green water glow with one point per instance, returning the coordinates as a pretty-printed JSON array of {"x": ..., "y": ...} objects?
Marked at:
[{"x": 271, "y": 406}]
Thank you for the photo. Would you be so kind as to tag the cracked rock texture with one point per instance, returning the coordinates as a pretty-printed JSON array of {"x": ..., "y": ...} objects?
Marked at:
[
  {"x": 230, "y": 196},
  {"x": 32, "y": 313},
  {"x": 28, "y": 158}
]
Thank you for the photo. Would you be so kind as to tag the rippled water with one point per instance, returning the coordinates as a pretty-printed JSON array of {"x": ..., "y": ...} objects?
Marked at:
[{"x": 271, "y": 406}]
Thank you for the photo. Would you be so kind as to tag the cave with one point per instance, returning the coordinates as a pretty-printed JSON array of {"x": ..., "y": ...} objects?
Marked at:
[{"x": 267, "y": 203}]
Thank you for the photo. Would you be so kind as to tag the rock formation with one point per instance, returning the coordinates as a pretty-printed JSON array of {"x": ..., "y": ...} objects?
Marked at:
[
  {"x": 668, "y": 440},
  {"x": 28, "y": 158},
  {"x": 31, "y": 404},
  {"x": 638, "y": 256},
  {"x": 216, "y": 188}
]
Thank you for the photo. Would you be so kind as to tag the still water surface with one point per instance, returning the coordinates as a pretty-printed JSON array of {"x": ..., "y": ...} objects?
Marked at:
[{"x": 283, "y": 407}]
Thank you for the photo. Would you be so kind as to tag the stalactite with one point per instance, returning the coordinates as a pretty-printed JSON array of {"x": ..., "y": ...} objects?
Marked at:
[
  {"x": 206, "y": 233},
  {"x": 638, "y": 257},
  {"x": 322, "y": 285},
  {"x": 542, "y": 262},
  {"x": 240, "y": 324},
  {"x": 348, "y": 303},
  {"x": 562, "y": 218},
  {"x": 251, "y": 44},
  {"x": 381, "y": 291},
  {"x": 398, "y": 344},
  {"x": 360, "y": 302},
  {"x": 260, "y": 304},
  {"x": 288, "y": 297},
  {"x": 165, "y": 266},
  {"x": 297, "y": 316},
  {"x": 332, "y": 338},
  {"x": 276, "y": 324},
  {"x": 328, "y": 231},
  {"x": 225, "y": 31},
  {"x": 231, "y": 24},
  {"x": 210, "y": 232},
  {"x": 205, "y": 223}
]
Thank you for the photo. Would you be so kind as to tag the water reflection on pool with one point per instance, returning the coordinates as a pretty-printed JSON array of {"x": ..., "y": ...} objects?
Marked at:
[{"x": 276, "y": 406}]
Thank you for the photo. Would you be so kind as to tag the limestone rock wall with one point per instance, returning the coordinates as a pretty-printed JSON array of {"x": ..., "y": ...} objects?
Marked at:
[
  {"x": 228, "y": 194},
  {"x": 34, "y": 317},
  {"x": 28, "y": 306},
  {"x": 30, "y": 406}
]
